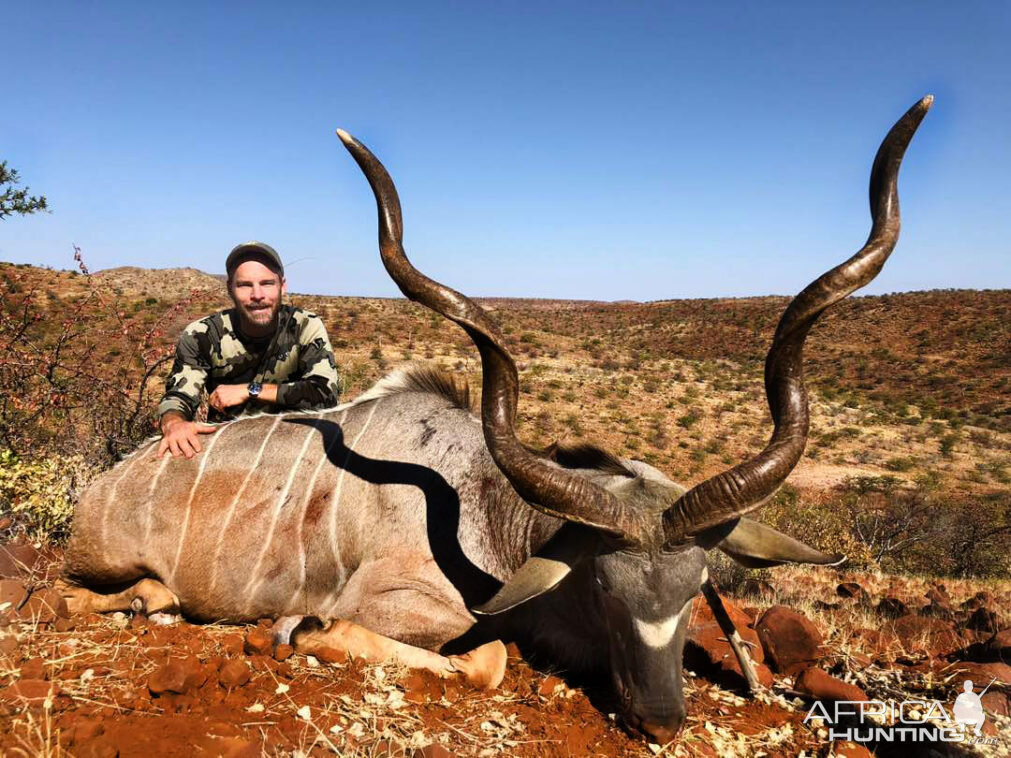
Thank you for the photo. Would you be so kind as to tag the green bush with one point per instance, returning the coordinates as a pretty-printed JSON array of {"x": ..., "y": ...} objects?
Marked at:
[{"x": 39, "y": 496}]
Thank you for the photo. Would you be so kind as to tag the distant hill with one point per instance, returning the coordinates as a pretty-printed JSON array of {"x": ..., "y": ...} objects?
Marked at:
[{"x": 160, "y": 282}]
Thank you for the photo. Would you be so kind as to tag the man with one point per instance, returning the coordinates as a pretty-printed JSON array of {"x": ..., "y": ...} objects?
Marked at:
[{"x": 259, "y": 356}]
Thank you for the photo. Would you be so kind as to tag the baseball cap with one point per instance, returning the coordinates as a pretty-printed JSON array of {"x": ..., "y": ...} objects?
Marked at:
[{"x": 253, "y": 250}]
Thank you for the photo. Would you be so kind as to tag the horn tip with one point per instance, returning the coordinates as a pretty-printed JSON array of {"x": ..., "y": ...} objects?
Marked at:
[
  {"x": 346, "y": 138},
  {"x": 926, "y": 102}
]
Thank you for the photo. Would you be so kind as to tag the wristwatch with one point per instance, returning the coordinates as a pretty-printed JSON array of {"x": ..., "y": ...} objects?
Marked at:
[{"x": 254, "y": 389}]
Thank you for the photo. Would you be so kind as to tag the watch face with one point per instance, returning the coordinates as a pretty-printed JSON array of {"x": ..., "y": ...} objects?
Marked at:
[{"x": 254, "y": 389}]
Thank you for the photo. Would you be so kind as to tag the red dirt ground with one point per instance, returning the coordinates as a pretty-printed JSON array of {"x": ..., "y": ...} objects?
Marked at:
[{"x": 124, "y": 686}]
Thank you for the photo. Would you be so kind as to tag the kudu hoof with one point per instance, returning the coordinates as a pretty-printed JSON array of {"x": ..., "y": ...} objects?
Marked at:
[{"x": 484, "y": 666}]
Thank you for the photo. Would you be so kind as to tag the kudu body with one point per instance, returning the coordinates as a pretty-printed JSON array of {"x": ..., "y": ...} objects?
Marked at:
[{"x": 405, "y": 514}]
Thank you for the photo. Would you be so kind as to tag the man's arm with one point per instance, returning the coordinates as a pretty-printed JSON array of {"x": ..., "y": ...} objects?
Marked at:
[
  {"x": 318, "y": 385},
  {"x": 182, "y": 397},
  {"x": 180, "y": 436}
]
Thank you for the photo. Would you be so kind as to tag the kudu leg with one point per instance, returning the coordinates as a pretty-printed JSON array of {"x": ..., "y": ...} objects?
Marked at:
[
  {"x": 736, "y": 643},
  {"x": 483, "y": 667},
  {"x": 145, "y": 596}
]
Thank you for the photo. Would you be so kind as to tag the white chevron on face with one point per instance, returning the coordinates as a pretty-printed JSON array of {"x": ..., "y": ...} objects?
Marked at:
[{"x": 658, "y": 634}]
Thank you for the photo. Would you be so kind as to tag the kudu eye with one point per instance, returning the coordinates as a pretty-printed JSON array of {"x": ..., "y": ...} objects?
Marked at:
[{"x": 602, "y": 582}]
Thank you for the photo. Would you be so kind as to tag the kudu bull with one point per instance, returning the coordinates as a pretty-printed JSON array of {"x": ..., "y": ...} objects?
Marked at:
[{"x": 395, "y": 518}]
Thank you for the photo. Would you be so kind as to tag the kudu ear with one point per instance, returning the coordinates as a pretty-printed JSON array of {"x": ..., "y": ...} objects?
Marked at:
[
  {"x": 755, "y": 545},
  {"x": 544, "y": 570}
]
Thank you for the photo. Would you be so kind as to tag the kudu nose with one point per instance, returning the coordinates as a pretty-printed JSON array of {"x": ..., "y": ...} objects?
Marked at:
[{"x": 661, "y": 734}]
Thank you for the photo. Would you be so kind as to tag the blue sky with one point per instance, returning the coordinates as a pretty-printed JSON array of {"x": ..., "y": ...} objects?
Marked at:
[{"x": 574, "y": 149}]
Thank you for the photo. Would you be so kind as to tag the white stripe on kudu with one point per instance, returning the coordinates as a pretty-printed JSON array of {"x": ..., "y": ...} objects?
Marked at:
[
  {"x": 150, "y": 497},
  {"x": 235, "y": 502},
  {"x": 302, "y": 556},
  {"x": 204, "y": 457},
  {"x": 110, "y": 501},
  {"x": 254, "y": 579}
]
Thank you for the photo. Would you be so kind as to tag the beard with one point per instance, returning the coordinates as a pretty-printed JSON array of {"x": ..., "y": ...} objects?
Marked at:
[{"x": 256, "y": 318}]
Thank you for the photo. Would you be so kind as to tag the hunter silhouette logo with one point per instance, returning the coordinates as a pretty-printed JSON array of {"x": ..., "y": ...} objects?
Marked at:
[{"x": 968, "y": 708}]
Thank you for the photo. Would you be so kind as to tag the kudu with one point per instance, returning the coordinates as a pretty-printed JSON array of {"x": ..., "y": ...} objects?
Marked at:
[{"x": 399, "y": 516}]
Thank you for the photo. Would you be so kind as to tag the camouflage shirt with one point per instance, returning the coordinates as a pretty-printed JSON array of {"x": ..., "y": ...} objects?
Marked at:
[{"x": 212, "y": 351}]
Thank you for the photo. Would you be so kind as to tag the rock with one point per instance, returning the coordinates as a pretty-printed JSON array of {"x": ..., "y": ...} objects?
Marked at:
[
  {"x": 6, "y": 522},
  {"x": 982, "y": 620},
  {"x": 759, "y": 588},
  {"x": 170, "y": 677},
  {"x": 235, "y": 673},
  {"x": 997, "y": 702},
  {"x": 923, "y": 634},
  {"x": 331, "y": 655},
  {"x": 971, "y": 604},
  {"x": 938, "y": 594},
  {"x": 940, "y": 603},
  {"x": 859, "y": 661},
  {"x": 980, "y": 598},
  {"x": 33, "y": 668},
  {"x": 850, "y": 750},
  {"x": 283, "y": 652},
  {"x": 84, "y": 731},
  {"x": 979, "y": 673},
  {"x": 9, "y": 646},
  {"x": 177, "y": 675},
  {"x": 938, "y": 611},
  {"x": 891, "y": 607},
  {"x": 12, "y": 591},
  {"x": 851, "y": 590},
  {"x": 707, "y": 651},
  {"x": 549, "y": 685},
  {"x": 31, "y": 691},
  {"x": 232, "y": 644},
  {"x": 18, "y": 561},
  {"x": 999, "y": 646},
  {"x": 822, "y": 686},
  {"x": 44, "y": 607},
  {"x": 791, "y": 641},
  {"x": 259, "y": 641}
]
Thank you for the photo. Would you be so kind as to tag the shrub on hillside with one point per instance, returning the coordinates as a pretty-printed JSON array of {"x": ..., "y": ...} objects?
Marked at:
[
  {"x": 879, "y": 522},
  {"x": 818, "y": 524},
  {"x": 39, "y": 496},
  {"x": 76, "y": 375}
]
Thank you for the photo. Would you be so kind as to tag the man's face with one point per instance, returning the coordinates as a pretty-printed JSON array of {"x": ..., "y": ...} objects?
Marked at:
[{"x": 256, "y": 292}]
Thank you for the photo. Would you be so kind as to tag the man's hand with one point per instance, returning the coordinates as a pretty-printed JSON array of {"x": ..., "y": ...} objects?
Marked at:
[
  {"x": 227, "y": 396},
  {"x": 181, "y": 437}
]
